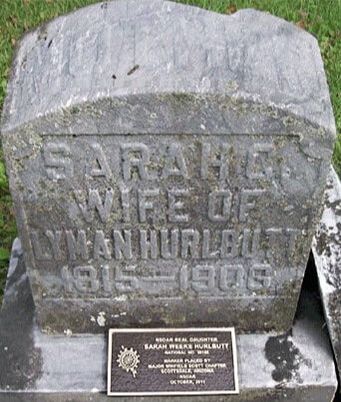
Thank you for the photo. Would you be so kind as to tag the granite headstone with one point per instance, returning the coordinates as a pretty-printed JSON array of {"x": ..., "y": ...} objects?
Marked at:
[{"x": 167, "y": 165}]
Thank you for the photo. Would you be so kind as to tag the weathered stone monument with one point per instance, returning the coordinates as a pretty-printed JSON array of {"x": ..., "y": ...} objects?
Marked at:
[{"x": 167, "y": 166}]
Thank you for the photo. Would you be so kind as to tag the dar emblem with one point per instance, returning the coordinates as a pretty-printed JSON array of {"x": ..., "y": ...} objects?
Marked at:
[{"x": 128, "y": 360}]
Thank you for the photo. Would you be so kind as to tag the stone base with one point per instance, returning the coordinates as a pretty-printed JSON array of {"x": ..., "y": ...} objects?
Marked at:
[
  {"x": 327, "y": 257},
  {"x": 297, "y": 366}
]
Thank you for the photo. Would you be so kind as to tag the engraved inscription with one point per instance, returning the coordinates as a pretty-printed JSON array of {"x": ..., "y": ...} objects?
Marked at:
[
  {"x": 161, "y": 244},
  {"x": 163, "y": 216}
]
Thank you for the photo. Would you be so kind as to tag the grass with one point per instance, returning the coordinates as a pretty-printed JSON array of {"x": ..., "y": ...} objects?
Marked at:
[{"x": 320, "y": 17}]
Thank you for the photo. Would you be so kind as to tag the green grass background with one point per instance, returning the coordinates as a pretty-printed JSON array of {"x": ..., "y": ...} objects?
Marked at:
[{"x": 320, "y": 17}]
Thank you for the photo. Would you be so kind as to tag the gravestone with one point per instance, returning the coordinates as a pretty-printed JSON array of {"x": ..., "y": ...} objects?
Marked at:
[{"x": 167, "y": 165}]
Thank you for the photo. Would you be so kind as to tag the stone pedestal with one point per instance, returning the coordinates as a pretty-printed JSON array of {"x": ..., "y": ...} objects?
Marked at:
[{"x": 297, "y": 366}]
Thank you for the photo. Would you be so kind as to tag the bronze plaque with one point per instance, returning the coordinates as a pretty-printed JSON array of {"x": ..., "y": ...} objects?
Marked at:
[{"x": 194, "y": 361}]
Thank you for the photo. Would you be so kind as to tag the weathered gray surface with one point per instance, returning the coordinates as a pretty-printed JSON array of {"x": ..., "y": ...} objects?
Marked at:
[
  {"x": 327, "y": 256},
  {"x": 158, "y": 121},
  {"x": 36, "y": 367}
]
